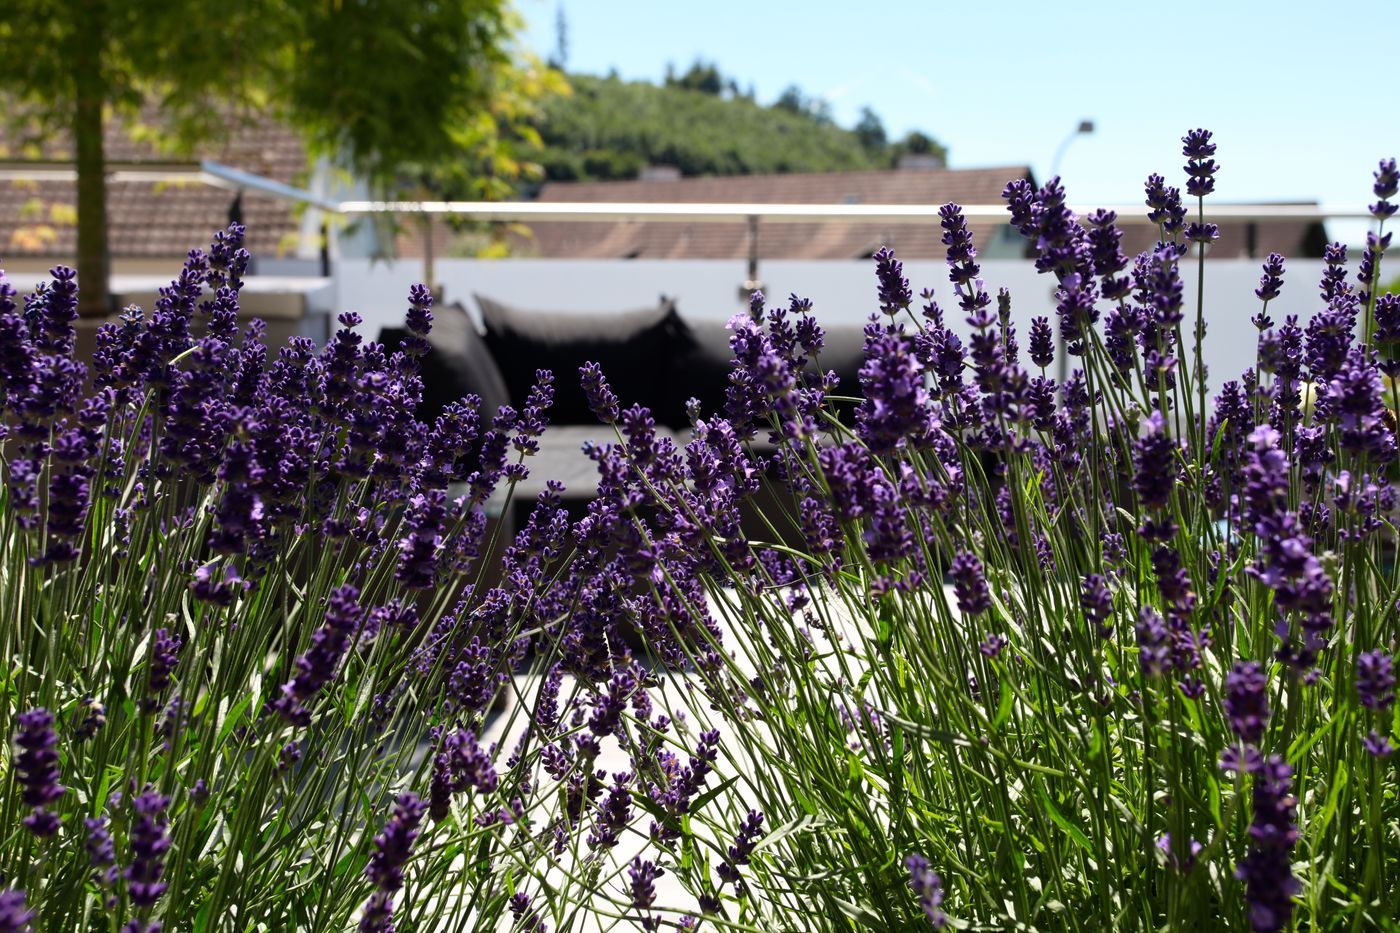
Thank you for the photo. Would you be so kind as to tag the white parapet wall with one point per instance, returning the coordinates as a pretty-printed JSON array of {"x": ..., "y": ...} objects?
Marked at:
[{"x": 841, "y": 291}]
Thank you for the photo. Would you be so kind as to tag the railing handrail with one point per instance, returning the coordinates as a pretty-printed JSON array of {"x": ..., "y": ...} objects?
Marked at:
[
  {"x": 235, "y": 179},
  {"x": 1128, "y": 215},
  {"x": 224, "y": 176}
]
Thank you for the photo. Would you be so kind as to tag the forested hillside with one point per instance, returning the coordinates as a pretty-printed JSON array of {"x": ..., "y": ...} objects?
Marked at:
[{"x": 610, "y": 129}]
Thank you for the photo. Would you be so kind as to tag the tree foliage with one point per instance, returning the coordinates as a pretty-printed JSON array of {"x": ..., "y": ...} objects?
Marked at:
[
  {"x": 396, "y": 92},
  {"x": 703, "y": 77},
  {"x": 378, "y": 83},
  {"x": 870, "y": 130},
  {"x": 611, "y": 128}
]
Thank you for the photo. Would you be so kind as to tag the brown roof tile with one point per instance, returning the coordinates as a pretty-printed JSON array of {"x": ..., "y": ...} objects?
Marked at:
[
  {"x": 1296, "y": 239},
  {"x": 822, "y": 240},
  {"x": 154, "y": 219},
  {"x": 835, "y": 239}
]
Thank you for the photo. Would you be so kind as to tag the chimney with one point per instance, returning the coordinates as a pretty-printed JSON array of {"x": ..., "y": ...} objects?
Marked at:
[
  {"x": 660, "y": 173},
  {"x": 920, "y": 162}
]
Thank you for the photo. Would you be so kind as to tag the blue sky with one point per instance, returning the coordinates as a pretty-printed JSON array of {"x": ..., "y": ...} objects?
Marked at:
[{"x": 1301, "y": 96}]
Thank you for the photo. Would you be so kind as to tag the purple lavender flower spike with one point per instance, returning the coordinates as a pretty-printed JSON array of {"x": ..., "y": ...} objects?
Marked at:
[
  {"x": 1247, "y": 702},
  {"x": 1387, "y": 183},
  {"x": 601, "y": 400},
  {"x": 217, "y": 583},
  {"x": 1105, "y": 249},
  {"x": 527, "y": 919},
  {"x": 927, "y": 888},
  {"x": 1097, "y": 602},
  {"x": 957, "y": 237},
  {"x": 340, "y": 359},
  {"x": 38, "y": 771},
  {"x": 1367, "y": 268},
  {"x": 1042, "y": 342},
  {"x": 149, "y": 842},
  {"x": 101, "y": 851},
  {"x": 1266, "y": 870},
  {"x": 394, "y": 845},
  {"x": 1154, "y": 462},
  {"x": 1197, "y": 232},
  {"x": 895, "y": 294},
  {"x": 1375, "y": 680},
  {"x": 533, "y": 417},
  {"x": 614, "y": 813},
  {"x": 15, "y": 916},
  {"x": 1377, "y": 745},
  {"x": 317, "y": 666},
  {"x": 54, "y": 333},
  {"x": 165, "y": 655},
  {"x": 1354, "y": 399},
  {"x": 1154, "y": 648},
  {"x": 421, "y": 545},
  {"x": 896, "y": 409},
  {"x": 418, "y": 320},
  {"x": 392, "y": 849},
  {"x": 643, "y": 875},
  {"x": 1166, "y": 209},
  {"x": 460, "y": 764},
  {"x": 1271, "y": 282},
  {"x": 970, "y": 584},
  {"x": 741, "y": 852},
  {"x": 1201, "y": 168}
]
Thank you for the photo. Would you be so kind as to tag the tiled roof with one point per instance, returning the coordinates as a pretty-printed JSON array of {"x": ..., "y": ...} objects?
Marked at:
[
  {"x": 822, "y": 240},
  {"x": 1295, "y": 239},
  {"x": 835, "y": 239},
  {"x": 153, "y": 219}
]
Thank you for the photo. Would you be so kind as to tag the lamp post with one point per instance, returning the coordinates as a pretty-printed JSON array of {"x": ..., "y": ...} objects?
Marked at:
[{"x": 1084, "y": 128}]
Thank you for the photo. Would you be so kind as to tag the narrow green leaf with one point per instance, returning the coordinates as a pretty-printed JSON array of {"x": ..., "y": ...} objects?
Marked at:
[
  {"x": 787, "y": 829},
  {"x": 897, "y": 778},
  {"x": 857, "y": 912},
  {"x": 699, "y": 803},
  {"x": 1060, "y": 820},
  {"x": 1008, "y": 700},
  {"x": 1334, "y": 794}
]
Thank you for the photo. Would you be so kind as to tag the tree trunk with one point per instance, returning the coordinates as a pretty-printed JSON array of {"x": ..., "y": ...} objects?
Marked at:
[{"x": 93, "y": 261}]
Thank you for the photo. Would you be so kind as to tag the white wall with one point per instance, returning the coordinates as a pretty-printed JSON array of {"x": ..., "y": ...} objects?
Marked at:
[{"x": 841, "y": 291}]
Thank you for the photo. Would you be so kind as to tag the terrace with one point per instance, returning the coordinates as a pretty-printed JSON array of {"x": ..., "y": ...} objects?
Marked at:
[{"x": 1137, "y": 591}]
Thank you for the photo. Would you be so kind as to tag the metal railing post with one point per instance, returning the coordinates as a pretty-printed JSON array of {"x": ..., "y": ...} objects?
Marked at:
[{"x": 753, "y": 283}]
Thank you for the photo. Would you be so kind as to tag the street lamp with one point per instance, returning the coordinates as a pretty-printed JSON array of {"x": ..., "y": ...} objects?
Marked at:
[{"x": 1084, "y": 128}]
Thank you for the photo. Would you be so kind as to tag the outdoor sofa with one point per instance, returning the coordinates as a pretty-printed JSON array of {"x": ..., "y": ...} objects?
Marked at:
[{"x": 651, "y": 356}]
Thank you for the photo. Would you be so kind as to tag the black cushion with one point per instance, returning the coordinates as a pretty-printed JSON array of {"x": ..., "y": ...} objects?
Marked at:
[
  {"x": 705, "y": 369},
  {"x": 844, "y": 351},
  {"x": 637, "y": 350},
  {"x": 457, "y": 363}
]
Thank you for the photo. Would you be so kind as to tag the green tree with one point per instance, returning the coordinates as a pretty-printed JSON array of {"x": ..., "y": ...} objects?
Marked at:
[
  {"x": 701, "y": 77},
  {"x": 870, "y": 131},
  {"x": 393, "y": 91},
  {"x": 792, "y": 100},
  {"x": 918, "y": 143}
]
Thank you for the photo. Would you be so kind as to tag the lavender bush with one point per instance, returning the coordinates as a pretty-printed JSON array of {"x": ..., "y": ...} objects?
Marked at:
[
  {"x": 1157, "y": 687},
  {"x": 999, "y": 653},
  {"x": 250, "y": 637}
]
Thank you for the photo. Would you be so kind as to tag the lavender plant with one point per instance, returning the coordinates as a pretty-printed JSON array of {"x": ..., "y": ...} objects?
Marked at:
[
  {"x": 1005, "y": 652},
  {"x": 995, "y": 652},
  {"x": 252, "y": 609}
]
